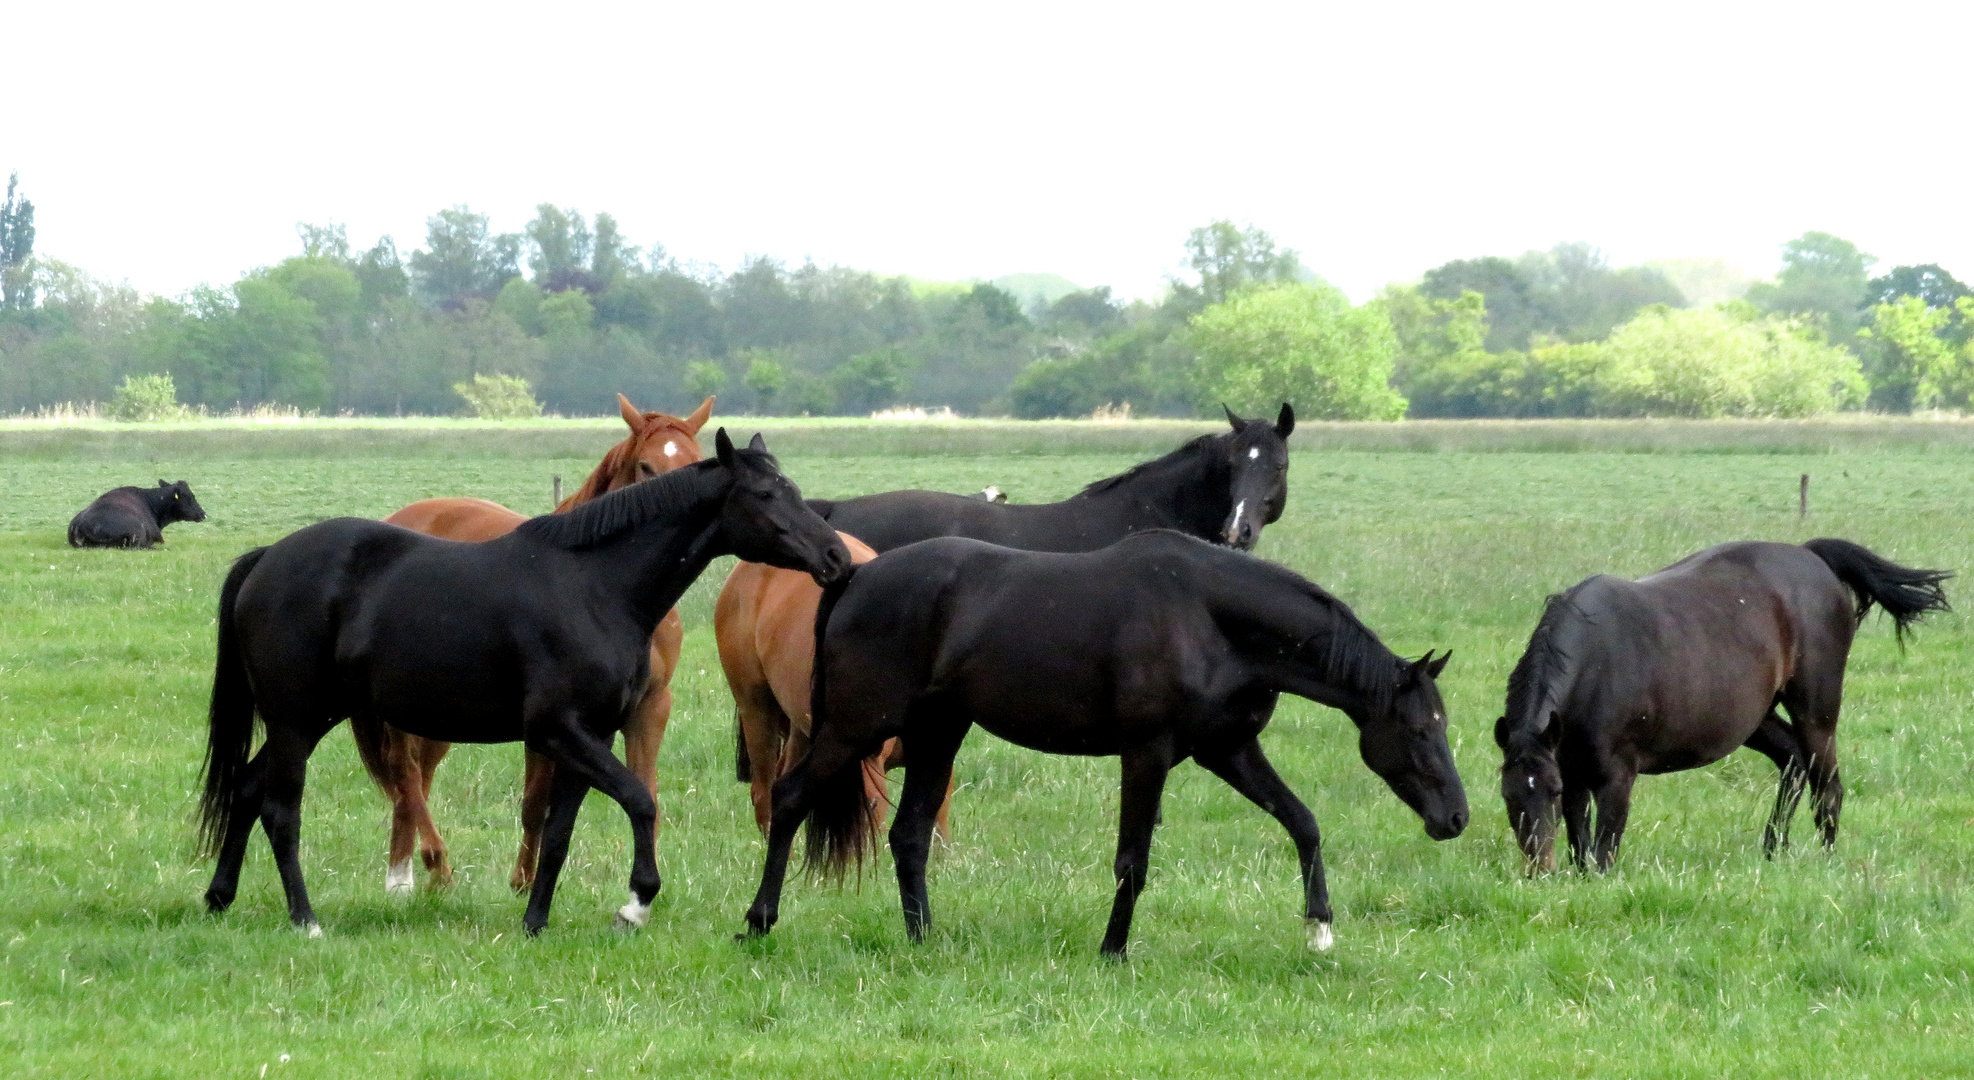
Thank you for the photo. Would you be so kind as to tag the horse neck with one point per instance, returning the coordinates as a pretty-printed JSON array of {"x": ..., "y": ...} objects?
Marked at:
[
  {"x": 599, "y": 478},
  {"x": 1188, "y": 494},
  {"x": 1545, "y": 674},
  {"x": 1307, "y": 644},
  {"x": 653, "y": 564}
]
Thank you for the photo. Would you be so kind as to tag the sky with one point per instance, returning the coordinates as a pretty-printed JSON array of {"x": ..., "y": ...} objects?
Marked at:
[{"x": 174, "y": 144}]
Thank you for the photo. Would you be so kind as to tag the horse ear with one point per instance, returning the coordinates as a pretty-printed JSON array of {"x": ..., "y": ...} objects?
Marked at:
[
  {"x": 162, "y": 482},
  {"x": 1285, "y": 420},
  {"x": 697, "y": 420},
  {"x": 1236, "y": 421},
  {"x": 631, "y": 414},
  {"x": 1501, "y": 733},
  {"x": 757, "y": 443},
  {"x": 1439, "y": 665},
  {"x": 1416, "y": 670},
  {"x": 1552, "y": 732},
  {"x": 723, "y": 448}
]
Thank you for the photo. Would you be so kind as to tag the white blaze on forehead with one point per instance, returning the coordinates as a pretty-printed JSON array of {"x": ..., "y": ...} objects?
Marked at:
[
  {"x": 1253, "y": 452},
  {"x": 1531, "y": 783},
  {"x": 671, "y": 448}
]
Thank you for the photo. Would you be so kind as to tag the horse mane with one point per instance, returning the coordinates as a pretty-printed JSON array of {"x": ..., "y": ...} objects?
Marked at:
[
  {"x": 1540, "y": 668},
  {"x": 608, "y": 516},
  {"x": 1353, "y": 656},
  {"x": 1190, "y": 448}
]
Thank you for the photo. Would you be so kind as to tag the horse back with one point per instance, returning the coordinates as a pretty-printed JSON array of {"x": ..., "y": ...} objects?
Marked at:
[{"x": 893, "y": 519}]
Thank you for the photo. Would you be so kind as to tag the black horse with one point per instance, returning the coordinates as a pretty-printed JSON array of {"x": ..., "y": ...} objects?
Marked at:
[
  {"x": 541, "y": 636},
  {"x": 128, "y": 517},
  {"x": 1158, "y": 648},
  {"x": 1219, "y": 487},
  {"x": 1678, "y": 669}
]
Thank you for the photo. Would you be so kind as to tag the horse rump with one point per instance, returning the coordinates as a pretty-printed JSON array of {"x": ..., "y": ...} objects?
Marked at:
[
  {"x": 230, "y": 718},
  {"x": 1905, "y": 593}
]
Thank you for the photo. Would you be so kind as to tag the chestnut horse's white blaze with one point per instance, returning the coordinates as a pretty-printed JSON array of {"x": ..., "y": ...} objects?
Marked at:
[{"x": 671, "y": 448}]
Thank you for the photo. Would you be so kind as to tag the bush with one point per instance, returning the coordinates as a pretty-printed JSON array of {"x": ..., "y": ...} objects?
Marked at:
[
  {"x": 146, "y": 397},
  {"x": 1723, "y": 362},
  {"x": 498, "y": 397},
  {"x": 1301, "y": 343}
]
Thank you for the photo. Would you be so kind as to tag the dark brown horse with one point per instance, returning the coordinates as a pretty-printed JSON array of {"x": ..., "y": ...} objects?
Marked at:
[
  {"x": 402, "y": 764},
  {"x": 1679, "y": 669}
]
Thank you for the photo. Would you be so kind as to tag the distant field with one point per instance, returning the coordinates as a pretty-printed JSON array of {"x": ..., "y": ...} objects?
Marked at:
[{"x": 1696, "y": 958}]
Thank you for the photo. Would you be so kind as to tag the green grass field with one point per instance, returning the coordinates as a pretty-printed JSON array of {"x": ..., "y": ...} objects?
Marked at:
[{"x": 1695, "y": 958}]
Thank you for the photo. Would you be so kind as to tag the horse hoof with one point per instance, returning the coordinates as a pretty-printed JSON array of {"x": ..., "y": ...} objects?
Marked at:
[
  {"x": 398, "y": 880},
  {"x": 311, "y": 929},
  {"x": 1320, "y": 937},
  {"x": 633, "y": 916}
]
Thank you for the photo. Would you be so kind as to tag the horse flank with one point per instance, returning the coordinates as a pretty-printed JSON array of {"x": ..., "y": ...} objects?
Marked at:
[{"x": 608, "y": 516}]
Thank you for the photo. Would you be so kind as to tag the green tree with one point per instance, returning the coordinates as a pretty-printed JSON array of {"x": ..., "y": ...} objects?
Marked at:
[
  {"x": 704, "y": 378},
  {"x": 1300, "y": 343},
  {"x": 16, "y": 249},
  {"x": 871, "y": 381},
  {"x": 462, "y": 259},
  {"x": 766, "y": 377},
  {"x": 1822, "y": 275},
  {"x": 562, "y": 249},
  {"x": 1228, "y": 258},
  {"x": 1913, "y": 365},
  {"x": 1724, "y": 363},
  {"x": 498, "y": 397}
]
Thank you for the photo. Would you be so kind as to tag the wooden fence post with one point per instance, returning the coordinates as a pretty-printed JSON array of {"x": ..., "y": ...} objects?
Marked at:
[
  {"x": 558, "y": 490},
  {"x": 1802, "y": 498}
]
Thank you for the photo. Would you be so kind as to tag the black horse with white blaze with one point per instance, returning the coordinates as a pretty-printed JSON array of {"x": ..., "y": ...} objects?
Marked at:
[
  {"x": 1156, "y": 649},
  {"x": 541, "y": 636},
  {"x": 1681, "y": 668}
]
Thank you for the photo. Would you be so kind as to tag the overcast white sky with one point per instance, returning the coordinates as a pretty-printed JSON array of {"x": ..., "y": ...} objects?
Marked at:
[{"x": 170, "y": 144}]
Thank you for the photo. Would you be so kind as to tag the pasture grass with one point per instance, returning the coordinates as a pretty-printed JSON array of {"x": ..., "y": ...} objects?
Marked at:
[{"x": 1696, "y": 957}]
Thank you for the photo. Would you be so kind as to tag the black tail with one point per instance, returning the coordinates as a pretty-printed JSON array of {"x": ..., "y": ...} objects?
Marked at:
[
  {"x": 743, "y": 769},
  {"x": 839, "y": 831},
  {"x": 1904, "y": 593},
  {"x": 231, "y": 718},
  {"x": 370, "y": 749}
]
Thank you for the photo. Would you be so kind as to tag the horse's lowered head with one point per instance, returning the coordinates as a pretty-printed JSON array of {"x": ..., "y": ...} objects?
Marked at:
[
  {"x": 765, "y": 520},
  {"x": 175, "y": 502},
  {"x": 1532, "y": 787},
  {"x": 1403, "y": 740},
  {"x": 1258, "y": 475}
]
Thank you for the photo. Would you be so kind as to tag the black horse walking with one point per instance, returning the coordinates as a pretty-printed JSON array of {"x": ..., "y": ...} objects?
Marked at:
[
  {"x": 541, "y": 636},
  {"x": 1158, "y": 648},
  {"x": 1220, "y": 487},
  {"x": 1680, "y": 668}
]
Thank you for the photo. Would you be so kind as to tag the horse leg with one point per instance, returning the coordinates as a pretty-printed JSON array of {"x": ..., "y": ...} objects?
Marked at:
[
  {"x": 1144, "y": 770},
  {"x": 288, "y": 748},
  {"x": 1778, "y": 742},
  {"x": 928, "y": 775},
  {"x": 763, "y": 730},
  {"x": 642, "y": 737},
  {"x": 792, "y": 795},
  {"x": 1576, "y": 819},
  {"x": 400, "y": 779},
  {"x": 1248, "y": 771},
  {"x": 438, "y": 864},
  {"x": 537, "y": 788},
  {"x": 583, "y": 761},
  {"x": 233, "y": 846},
  {"x": 1813, "y": 706},
  {"x": 564, "y": 799},
  {"x": 1613, "y": 806}
]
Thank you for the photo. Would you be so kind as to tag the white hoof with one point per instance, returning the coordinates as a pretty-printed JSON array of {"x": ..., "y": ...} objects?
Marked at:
[
  {"x": 633, "y": 916},
  {"x": 314, "y": 930},
  {"x": 1320, "y": 938},
  {"x": 397, "y": 878}
]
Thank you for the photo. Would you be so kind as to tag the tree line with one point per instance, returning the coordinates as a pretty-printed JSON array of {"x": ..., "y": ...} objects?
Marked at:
[{"x": 568, "y": 312}]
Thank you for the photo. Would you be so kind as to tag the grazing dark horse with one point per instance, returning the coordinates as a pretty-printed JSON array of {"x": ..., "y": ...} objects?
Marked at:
[
  {"x": 1224, "y": 487},
  {"x": 542, "y": 636},
  {"x": 1216, "y": 487},
  {"x": 128, "y": 517},
  {"x": 1158, "y": 648},
  {"x": 1678, "y": 669}
]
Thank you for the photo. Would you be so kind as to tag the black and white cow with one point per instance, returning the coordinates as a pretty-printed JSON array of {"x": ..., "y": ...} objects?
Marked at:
[{"x": 134, "y": 516}]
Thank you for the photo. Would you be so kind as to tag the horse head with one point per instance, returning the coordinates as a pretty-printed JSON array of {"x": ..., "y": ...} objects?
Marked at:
[
  {"x": 1532, "y": 787},
  {"x": 1404, "y": 742},
  {"x": 1257, "y": 459},
  {"x": 765, "y": 520}
]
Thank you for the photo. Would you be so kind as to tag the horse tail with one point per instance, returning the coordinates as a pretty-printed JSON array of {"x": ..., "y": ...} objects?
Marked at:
[
  {"x": 1904, "y": 593},
  {"x": 369, "y": 734},
  {"x": 743, "y": 767},
  {"x": 230, "y": 718},
  {"x": 839, "y": 830}
]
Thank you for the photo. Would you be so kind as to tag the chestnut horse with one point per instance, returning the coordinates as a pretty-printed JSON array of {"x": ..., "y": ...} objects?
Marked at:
[
  {"x": 402, "y": 763},
  {"x": 766, "y": 624}
]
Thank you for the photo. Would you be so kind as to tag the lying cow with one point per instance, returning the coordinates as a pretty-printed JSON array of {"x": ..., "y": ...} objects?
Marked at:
[{"x": 134, "y": 516}]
